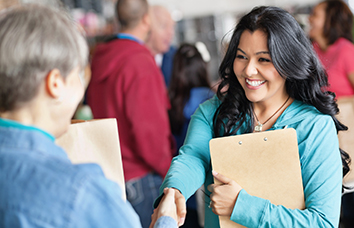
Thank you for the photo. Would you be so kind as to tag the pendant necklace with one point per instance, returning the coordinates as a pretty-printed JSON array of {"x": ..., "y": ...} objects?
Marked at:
[{"x": 258, "y": 127}]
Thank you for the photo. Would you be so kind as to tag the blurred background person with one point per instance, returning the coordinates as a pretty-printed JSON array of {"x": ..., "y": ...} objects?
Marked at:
[
  {"x": 331, "y": 32},
  {"x": 189, "y": 87},
  {"x": 127, "y": 85},
  {"x": 331, "y": 24},
  {"x": 160, "y": 39}
]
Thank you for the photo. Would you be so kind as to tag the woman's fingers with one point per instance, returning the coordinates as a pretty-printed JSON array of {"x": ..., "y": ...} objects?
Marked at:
[
  {"x": 221, "y": 178},
  {"x": 223, "y": 195}
]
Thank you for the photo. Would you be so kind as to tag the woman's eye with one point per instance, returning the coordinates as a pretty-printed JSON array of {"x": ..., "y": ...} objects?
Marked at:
[
  {"x": 240, "y": 57},
  {"x": 264, "y": 60}
]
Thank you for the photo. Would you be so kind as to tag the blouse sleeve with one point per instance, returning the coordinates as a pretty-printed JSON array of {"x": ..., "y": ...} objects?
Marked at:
[{"x": 189, "y": 169}]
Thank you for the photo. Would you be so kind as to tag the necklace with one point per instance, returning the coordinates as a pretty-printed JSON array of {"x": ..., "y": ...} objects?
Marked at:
[{"x": 258, "y": 127}]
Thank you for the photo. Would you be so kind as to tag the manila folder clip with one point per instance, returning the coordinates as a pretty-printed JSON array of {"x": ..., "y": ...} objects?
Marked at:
[{"x": 265, "y": 164}]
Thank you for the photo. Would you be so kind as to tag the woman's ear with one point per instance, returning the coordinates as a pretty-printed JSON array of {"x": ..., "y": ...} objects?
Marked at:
[{"x": 54, "y": 84}]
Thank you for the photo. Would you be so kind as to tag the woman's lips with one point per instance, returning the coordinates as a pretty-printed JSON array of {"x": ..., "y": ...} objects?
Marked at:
[{"x": 254, "y": 83}]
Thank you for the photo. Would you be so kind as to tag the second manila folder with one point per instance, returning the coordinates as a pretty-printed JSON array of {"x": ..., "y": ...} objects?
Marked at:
[{"x": 265, "y": 164}]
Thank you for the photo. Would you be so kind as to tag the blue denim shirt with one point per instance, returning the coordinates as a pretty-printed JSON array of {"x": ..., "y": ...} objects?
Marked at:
[{"x": 40, "y": 187}]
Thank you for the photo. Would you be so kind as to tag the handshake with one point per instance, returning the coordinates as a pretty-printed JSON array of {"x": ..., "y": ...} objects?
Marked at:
[
  {"x": 222, "y": 200},
  {"x": 169, "y": 203}
]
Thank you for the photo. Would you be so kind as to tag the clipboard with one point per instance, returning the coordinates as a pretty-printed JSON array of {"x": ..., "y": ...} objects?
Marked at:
[
  {"x": 95, "y": 141},
  {"x": 265, "y": 164}
]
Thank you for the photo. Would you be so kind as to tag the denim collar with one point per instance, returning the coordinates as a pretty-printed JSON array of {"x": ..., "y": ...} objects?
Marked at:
[{"x": 15, "y": 124}]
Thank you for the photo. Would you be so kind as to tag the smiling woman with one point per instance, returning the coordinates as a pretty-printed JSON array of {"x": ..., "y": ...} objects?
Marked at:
[
  {"x": 258, "y": 77},
  {"x": 266, "y": 85}
]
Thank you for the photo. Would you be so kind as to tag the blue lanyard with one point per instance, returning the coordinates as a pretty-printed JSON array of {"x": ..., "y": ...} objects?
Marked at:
[{"x": 128, "y": 37}]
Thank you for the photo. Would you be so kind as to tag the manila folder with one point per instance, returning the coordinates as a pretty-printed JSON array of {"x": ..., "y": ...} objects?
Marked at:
[
  {"x": 265, "y": 164},
  {"x": 96, "y": 141}
]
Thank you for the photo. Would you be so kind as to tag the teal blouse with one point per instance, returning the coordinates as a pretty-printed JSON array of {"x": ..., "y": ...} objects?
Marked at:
[{"x": 320, "y": 160}]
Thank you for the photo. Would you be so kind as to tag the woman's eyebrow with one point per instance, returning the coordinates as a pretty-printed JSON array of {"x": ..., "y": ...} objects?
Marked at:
[
  {"x": 257, "y": 53},
  {"x": 241, "y": 50},
  {"x": 262, "y": 52}
]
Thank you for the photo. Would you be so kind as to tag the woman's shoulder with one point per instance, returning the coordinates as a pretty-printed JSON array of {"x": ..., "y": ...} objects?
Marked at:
[
  {"x": 302, "y": 112},
  {"x": 343, "y": 41},
  {"x": 211, "y": 104},
  {"x": 343, "y": 44},
  {"x": 311, "y": 125},
  {"x": 312, "y": 119},
  {"x": 208, "y": 108}
]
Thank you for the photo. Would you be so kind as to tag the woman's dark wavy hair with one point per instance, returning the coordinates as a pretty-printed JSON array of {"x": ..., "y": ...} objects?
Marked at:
[
  {"x": 338, "y": 22},
  {"x": 293, "y": 57},
  {"x": 189, "y": 71}
]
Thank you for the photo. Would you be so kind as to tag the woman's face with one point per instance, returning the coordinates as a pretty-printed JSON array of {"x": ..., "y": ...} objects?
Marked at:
[
  {"x": 317, "y": 21},
  {"x": 255, "y": 71}
]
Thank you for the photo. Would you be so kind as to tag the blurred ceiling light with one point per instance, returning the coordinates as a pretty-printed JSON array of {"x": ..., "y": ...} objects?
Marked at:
[
  {"x": 203, "y": 51},
  {"x": 176, "y": 15},
  {"x": 351, "y": 4}
]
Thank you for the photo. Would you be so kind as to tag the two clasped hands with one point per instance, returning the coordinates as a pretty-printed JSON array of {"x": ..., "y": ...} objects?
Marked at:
[{"x": 222, "y": 200}]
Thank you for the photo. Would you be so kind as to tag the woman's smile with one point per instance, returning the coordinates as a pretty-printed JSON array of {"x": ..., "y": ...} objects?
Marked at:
[{"x": 254, "y": 83}]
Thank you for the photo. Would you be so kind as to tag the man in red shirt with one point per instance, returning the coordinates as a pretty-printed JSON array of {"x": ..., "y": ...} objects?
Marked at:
[{"x": 127, "y": 85}]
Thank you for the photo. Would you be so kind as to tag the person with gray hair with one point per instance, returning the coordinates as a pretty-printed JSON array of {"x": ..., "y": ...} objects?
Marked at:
[
  {"x": 42, "y": 58},
  {"x": 160, "y": 39}
]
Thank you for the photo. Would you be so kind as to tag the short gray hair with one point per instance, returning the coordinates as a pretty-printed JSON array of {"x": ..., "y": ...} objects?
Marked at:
[{"x": 33, "y": 41}]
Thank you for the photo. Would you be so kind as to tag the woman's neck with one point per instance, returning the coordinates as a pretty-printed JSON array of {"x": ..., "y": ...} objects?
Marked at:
[
  {"x": 268, "y": 112},
  {"x": 322, "y": 43},
  {"x": 24, "y": 115},
  {"x": 31, "y": 114}
]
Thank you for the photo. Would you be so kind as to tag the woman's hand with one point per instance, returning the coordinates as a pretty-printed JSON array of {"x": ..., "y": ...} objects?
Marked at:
[
  {"x": 223, "y": 196},
  {"x": 172, "y": 204}
]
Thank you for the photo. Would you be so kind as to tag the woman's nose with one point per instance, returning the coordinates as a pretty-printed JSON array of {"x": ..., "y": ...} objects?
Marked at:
[
  {"x": 310, "y": 18},
  {"x": 251, "y": 69}
]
